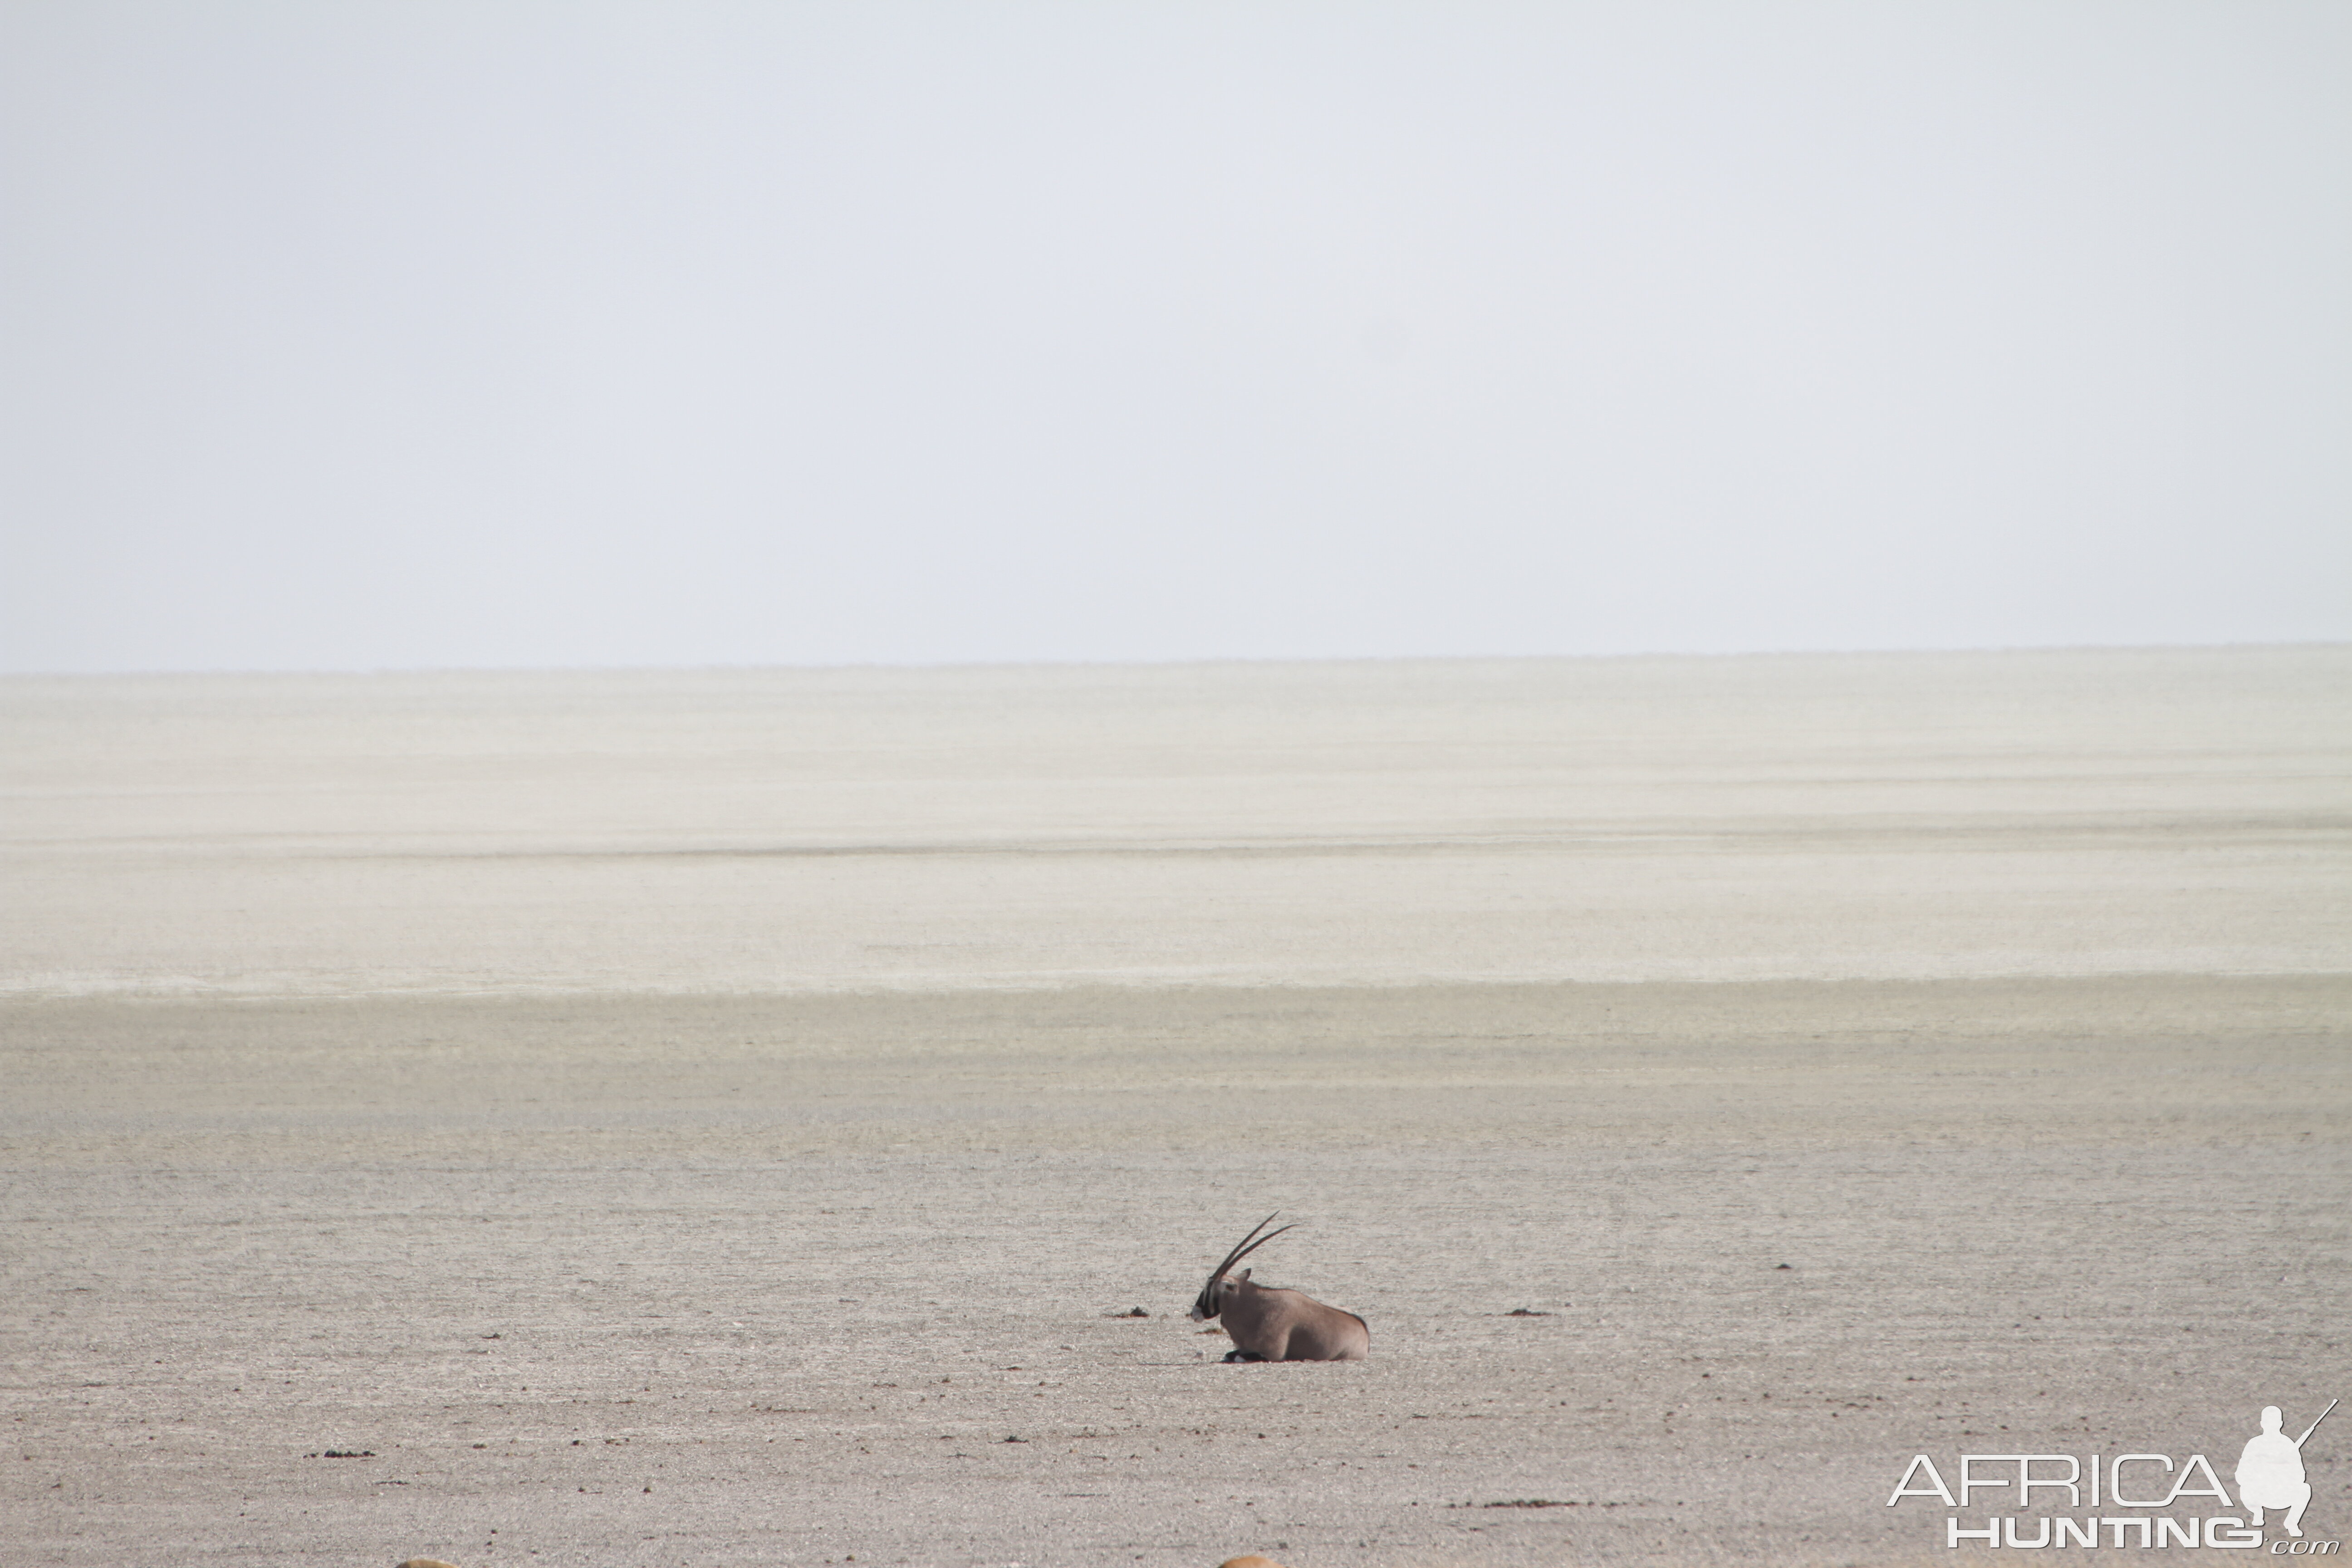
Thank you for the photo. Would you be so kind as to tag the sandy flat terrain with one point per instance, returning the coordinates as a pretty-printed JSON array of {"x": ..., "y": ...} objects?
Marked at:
[{"x": 709, "y": 1119}]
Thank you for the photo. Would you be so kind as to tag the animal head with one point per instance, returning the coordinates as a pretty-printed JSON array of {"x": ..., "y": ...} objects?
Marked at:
[{"x": 1212, "y": 1299}]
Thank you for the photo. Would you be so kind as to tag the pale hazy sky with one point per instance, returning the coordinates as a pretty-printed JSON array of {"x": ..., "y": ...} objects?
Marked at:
[{"x": 349, "y": 335}]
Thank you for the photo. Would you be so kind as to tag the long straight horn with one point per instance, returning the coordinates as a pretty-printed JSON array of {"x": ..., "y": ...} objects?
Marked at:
[{"x": 1250, "y": 1243}]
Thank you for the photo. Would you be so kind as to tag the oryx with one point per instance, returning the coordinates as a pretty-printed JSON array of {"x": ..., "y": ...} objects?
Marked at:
[{"x": 1276, "y": 1325}]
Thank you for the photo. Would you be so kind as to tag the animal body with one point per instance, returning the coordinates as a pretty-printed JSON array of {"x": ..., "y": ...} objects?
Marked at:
[{"x": 1276, "y": 1325}]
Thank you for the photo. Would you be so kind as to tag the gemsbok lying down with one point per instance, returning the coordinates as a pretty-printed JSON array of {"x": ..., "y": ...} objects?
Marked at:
[{"x": 1276, "y": 1325}]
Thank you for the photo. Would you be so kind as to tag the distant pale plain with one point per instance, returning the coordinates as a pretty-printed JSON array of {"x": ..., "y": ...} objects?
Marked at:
[{"x": 1816, "y": 817}]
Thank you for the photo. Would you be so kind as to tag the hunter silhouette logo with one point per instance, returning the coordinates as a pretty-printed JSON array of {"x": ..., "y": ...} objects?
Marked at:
[
  {"x": 2269, "y": 1476},
  {"x": 2270, "y": 1472}
]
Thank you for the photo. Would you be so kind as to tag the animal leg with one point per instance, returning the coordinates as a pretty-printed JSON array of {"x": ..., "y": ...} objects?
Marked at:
[{"x": 1232, "y": 1357}]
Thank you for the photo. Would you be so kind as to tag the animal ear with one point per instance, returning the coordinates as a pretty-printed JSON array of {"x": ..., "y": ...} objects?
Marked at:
[{"x": 1245, "y": 1274}]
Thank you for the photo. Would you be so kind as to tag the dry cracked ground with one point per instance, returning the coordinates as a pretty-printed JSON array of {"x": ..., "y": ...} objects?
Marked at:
[
  {"x": 1654, "y": 1273},
  {"x": 627, "y": 1121}
]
